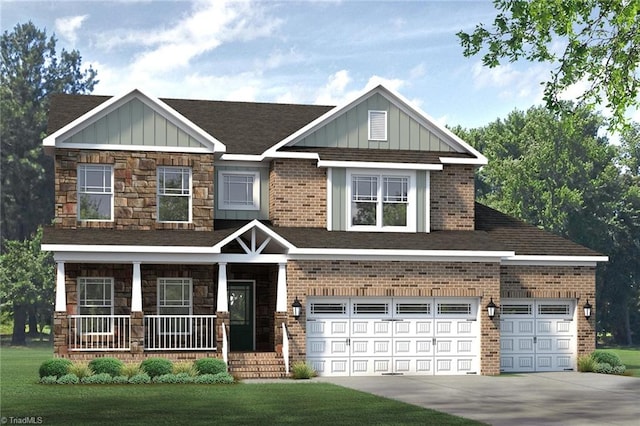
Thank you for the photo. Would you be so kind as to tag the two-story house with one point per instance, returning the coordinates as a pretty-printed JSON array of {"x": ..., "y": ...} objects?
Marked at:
[{"x": 268, "y": 233}]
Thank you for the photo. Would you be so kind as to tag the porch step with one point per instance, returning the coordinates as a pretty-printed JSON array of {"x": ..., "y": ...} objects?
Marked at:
[{"x": 256, "y": 365}]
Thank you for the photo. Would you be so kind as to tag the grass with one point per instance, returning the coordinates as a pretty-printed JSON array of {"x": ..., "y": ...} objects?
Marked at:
[
  {"x": 241, "y": 404},
  {"x": 630, "y": 357}
]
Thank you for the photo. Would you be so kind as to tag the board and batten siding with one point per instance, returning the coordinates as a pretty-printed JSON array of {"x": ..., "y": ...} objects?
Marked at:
[
  {"x": 262, "y": 214},
  {"x": 134, "y": 123},
  {"x": 339, "y": 200},
  {"x": 350, "y": 130}
]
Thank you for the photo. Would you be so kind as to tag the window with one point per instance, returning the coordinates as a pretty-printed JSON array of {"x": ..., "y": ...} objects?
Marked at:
[
  {"x": 174, "y": 194},
  {"x": 454, "y": 308},
  {"x": 328, "y": 308},
  {"x": 239, "y": 190},
  {"x": 95, "y": 298},
  {"x": 377, "y": 125},
  {"x": 95, "y": 192},
  {"x": 381, "y": 202},
  {"x": 174, "y": 299}
]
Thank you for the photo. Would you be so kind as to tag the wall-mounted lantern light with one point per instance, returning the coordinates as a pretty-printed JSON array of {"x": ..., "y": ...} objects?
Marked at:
[
  {"x": 491, "y": 309},
  {"x": 296, "y": 306},
  {"x": 587, "y": 309}
]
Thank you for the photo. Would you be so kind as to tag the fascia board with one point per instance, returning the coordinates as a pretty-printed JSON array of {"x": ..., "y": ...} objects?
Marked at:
[
  {"x": 103, "y": 248},
  {"x": 449, "y": 254},
  {"x": 253, "y": 224},
  {"x": 113, "y": 103},
  {"x": 456, "y": 160},
  {"x": 373, "y": 165},
  {"x": 554, "y": 260},
  {"x": 242, "y": 157},
  {"x": 149, "y": 148},
  {"x": 166, "y": 258}
]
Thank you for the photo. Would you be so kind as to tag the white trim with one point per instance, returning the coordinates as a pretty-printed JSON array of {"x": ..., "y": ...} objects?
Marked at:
[
  {"x": 531, "y": 260},
  {"x": 253, "y": 224},
  {"x": 427, "y": 200},
  {"x": 399, "y": 253},
  {"x": 80, "y": 193},
  {"x": 374, "y": 165},
  {"x": 158, "y": 195},
  {"x": 242, "y": 157},
  {"x": 281, "y": 293},
  {"x": 136, "y": 289},
  {"x": 61, "y": 288},
  {"x": 329, "y": 199},
  {"x": 369, "y": 127},
  {"x": 174, "y": 258},
  {"x": 222, "y": 302},
  {"x": 149, "y": 148},
  {"x": 115, "y": 102},
  {"x": 183, "y": 281},
  {"x": 255, "y": 188},
  {"x": 458, "y": 160},
  {"x": 79, "y": 282}
]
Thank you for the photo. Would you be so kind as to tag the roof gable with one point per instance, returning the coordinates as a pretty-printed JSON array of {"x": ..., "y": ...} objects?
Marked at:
[{"x": 134, "y": 121}]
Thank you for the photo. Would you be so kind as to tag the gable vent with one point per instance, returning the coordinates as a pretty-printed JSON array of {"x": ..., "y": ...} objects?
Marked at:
[{"x": 377, "y": 125}]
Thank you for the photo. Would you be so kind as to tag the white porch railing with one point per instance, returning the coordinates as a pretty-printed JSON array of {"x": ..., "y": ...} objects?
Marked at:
[
  {"x": 179, "y": 332},
  {"x": 285, "y": 347},
  {"x": 99, "y": 332}
]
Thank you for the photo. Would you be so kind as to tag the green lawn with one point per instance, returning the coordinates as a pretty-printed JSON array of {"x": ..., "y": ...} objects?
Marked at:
[
  {"x": 630, "y": 358},
  {"x": 278, "y": 403}
]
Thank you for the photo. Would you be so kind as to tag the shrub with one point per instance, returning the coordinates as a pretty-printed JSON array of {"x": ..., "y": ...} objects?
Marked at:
[
  {"x": 110, "y": 366},
  {"x": 140, "y": 379},
  {"x": 223, "y": 378},
  {"x": 606, "y": 357},
  {"x": 184, "y": 378},
  {"x": 214, "y": 379},
  {"x": 603, "y": 368},
  {"x": 210, "y": 366},
  {"x": 98, "y": 379},
  {"x": 302, "y": 370},
  {"x": 155, "y": 367},
  {"x": 619, "y": 369},
  {"x": 120, "y": 380},
  {"x": 130, "y": 370},
  {"x": 586, "y": 364},
  {"x": 57, "y": 367},
  {"x": 185, "y": 367},
  {"x": 68, "y": 379},
  {"x": 49, "y": 380},
  {"x": 81, "y": 370}
]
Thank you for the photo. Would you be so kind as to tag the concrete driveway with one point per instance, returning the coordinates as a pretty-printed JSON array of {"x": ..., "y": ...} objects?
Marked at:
[{"x": 520, "y": 399}]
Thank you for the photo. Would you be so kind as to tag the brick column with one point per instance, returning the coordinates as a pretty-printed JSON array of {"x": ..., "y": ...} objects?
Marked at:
[
  {"x": 137, "y": 332},
  {"x": 60, "y": 334}
]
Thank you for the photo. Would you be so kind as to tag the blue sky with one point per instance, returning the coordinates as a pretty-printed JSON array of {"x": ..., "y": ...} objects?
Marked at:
[{"x": 317, "y": 52}]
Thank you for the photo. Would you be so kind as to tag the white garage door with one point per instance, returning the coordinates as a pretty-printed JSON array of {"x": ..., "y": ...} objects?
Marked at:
[
  {"x": 372, "y": 336},
  {"x": 537, "y": 335}
]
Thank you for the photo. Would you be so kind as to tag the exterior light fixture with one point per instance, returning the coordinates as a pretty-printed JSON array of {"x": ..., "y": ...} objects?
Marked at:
[
  {"x": 587, "y": 309},
  {"x": 491, "y": 309},
  {"x": 296, "y": 307}
]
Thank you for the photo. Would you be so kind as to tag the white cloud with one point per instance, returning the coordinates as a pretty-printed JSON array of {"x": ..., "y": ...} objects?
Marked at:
[
  {"x": 334, "y": 92},
  {"x": 68, "y": 27},
  {"x": 512, "y": 83}
]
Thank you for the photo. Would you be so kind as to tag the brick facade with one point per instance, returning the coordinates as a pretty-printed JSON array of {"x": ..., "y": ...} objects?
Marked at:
[
  {"x": 297, "y": 194},
  {"x": 453, "y": 198},
  {"x": 135, "y": 188}
]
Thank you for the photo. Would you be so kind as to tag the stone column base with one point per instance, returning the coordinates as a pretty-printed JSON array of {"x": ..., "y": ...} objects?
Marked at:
[
  {"x": 60, "y": 334},
  {"x": 137, "y": 332},
  {"x": 221, "y": 318}
]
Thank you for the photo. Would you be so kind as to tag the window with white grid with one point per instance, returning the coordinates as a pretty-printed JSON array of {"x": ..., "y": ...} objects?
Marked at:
[
  {"x": 95, "y": 192},
  {"x": 174, "y": 194}
]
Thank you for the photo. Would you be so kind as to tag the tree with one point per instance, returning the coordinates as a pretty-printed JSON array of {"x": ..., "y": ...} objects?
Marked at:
[
  {"x": 30, "y": 71},
  {"x": 599, "y": 39},
  {"x": 26, "y": 283}
]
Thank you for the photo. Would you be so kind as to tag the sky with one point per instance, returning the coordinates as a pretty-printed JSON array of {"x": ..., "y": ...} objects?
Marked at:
[{"x": 312, "y": 52}]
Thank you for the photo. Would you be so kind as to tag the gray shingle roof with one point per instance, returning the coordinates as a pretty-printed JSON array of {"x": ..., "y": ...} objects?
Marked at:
[{"x": 378, "y": 155}]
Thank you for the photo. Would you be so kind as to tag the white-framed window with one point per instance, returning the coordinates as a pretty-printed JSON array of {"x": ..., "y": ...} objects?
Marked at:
[
  {"x": 381, "y": 200},
  {"x": 174, "y": 194},
  {"x": 175, "y": 300},
  {"x": 95, "y": 192},
  {"x": 377, "y": 125},
  {"x": 95, "y": 298},
  {"x": 238, "y": 190}
]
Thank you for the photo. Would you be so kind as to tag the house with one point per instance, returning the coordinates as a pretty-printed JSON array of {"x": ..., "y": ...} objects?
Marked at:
[{"x": 267, "y": 233}]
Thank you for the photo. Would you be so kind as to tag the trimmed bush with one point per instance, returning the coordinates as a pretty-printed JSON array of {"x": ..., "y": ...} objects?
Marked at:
[
  {"x": 68, "y": 379},
  {"x": 108, "y": 365},
  {"x": 185, "y": 367},
  {"x": 586, "y": 364},
  {"x": 302, "y": 370},
  {"x": 155, "y": 367},
  {"x": 130, "y": 370},
  {"x": 619, "y": 369},
  {"x": 120, "y": 380},
  {"x": 140, "y": 379},
  {"x": 57, "y": 367},
  {"x": 210, "y": 366},
  {"x": 606, "y": 357},
  {"x": 98, "y": 379},
  {"x": 81, "y": 370},
  {"x": 214, "y": 379},
  {"x": 184, "y": 378},
  {"x": 49, "y": 380},
  {"x": 224, "y": 378}
]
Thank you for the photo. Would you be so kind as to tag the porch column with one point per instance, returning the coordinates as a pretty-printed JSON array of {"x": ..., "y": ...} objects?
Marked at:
[
  {"x": 281, "y": 294},
  {"x": 136, "y": 289},
  {"x": 223, "y": 297},
  {"x": 61, "y": 291}
]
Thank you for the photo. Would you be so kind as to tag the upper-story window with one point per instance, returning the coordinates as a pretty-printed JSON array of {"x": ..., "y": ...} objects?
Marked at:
[
  {"x": 381, "y": 200},
  {"x": 174, "y": 194},
  {"x": 239, "y": 190},
  {"x": 95, "y": 192},
  {"x": 377, "y": 125}
]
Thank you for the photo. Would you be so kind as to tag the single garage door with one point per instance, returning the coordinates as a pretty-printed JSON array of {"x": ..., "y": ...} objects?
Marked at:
[
  {"x": 374, "y": 336},
  {"x": 537, "y": 335}
]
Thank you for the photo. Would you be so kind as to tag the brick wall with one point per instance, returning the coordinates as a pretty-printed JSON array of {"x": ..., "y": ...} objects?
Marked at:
[
  {"x": 135, "y": 188},
  {"x": 452, "y": 198},
  {"x": 297, "y": 194},
  {"x": 567, "y": 282},
  {"x": 397, "y": 279}
]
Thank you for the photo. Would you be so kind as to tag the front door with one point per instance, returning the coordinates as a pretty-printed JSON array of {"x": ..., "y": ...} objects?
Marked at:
[{"x": 241, "y": 316}]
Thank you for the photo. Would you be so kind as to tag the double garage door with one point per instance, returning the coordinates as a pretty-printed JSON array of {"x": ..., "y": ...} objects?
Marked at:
[
  {"x": 537, "y": 335},
  {"x": 375, "y": 336}
]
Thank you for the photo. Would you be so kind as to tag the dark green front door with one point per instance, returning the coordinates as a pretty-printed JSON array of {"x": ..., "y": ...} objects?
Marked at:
[{"x": 241, "y": 316}]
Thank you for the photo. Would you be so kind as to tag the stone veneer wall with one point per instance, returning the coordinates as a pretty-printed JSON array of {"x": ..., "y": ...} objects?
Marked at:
[
  {"x": 452, "y": 198},
  {"x": 397, "y": 279},
  {"x": 135, "y": 188},
  {"x": 297, "y": 194},
  {"x": 568, "y": 282}
]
